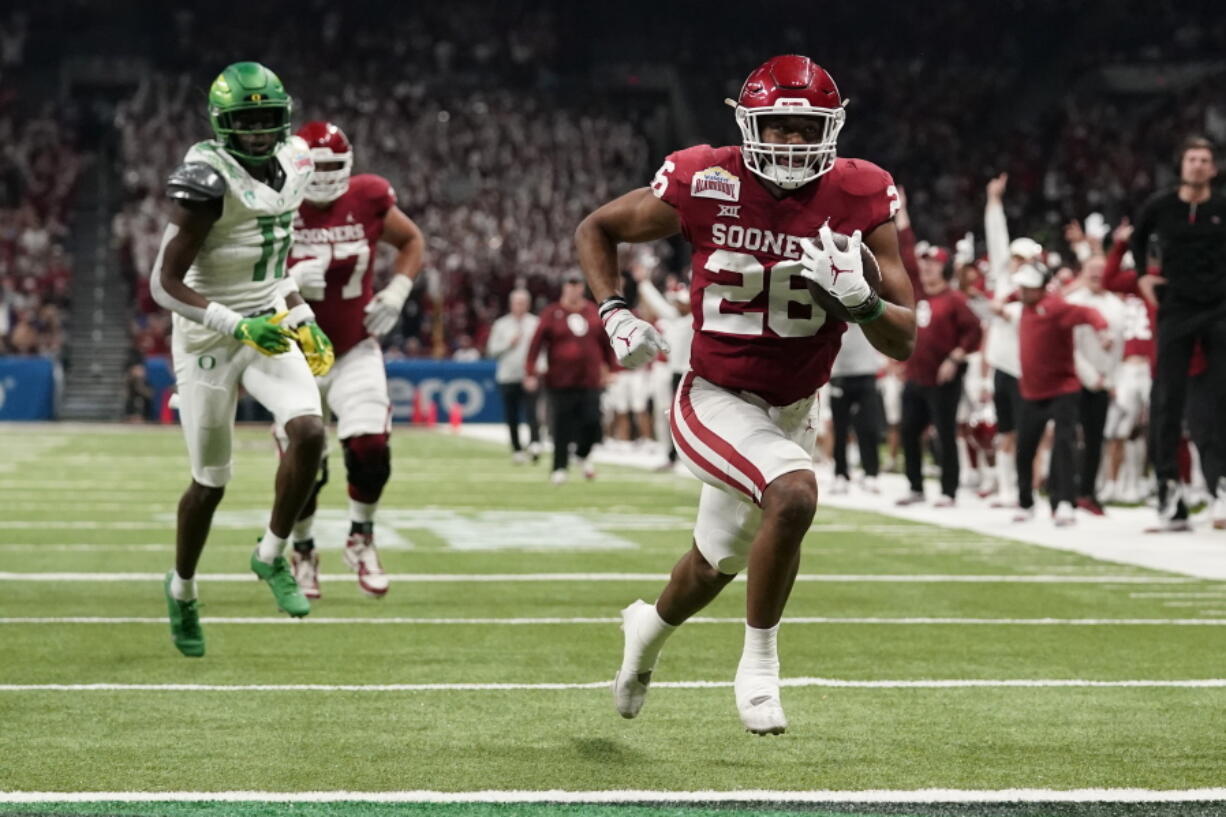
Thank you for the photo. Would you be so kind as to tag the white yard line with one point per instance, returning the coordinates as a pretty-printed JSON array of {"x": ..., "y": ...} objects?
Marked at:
[
  {"x": 836, "y": 683},
  {"x": 1005, "y": 622},
  {"x": 637, "y": 796},
  {"x": 617, "y": 577}
]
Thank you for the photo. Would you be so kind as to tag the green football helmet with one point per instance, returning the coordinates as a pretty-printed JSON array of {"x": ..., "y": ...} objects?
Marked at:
[{"x": 247, "y": 99}]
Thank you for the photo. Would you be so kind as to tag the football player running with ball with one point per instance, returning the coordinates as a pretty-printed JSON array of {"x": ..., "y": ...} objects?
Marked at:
[
  {"x": 221, "y": 270},
  {"x": 336, "y": 236},
  {"x": 761, "y": 220}
]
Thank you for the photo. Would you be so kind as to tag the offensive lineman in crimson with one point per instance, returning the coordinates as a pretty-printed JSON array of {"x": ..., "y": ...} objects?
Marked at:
[{"x": 762, "y": 347}]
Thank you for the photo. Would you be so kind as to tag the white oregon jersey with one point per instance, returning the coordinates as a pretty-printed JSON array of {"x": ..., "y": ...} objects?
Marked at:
[{"x": 243, "y": 258}]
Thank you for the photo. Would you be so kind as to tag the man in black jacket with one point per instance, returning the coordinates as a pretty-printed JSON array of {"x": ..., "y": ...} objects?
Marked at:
[{"x": 1189, "y": 226}]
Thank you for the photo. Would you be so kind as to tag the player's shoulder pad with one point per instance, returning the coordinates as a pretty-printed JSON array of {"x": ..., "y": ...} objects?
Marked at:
[
  {"x": 195, "y": 181},
  {"x": 372, "y": 186},
  {"x": 860, "y": 177},
  {"x": 691, "y": 160}
]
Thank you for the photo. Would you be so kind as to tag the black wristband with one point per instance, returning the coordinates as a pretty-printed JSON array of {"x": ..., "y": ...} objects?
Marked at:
[{"x": 612, "y": 304}]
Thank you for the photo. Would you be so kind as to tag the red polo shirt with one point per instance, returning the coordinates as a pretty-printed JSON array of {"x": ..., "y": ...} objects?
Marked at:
[
  {"x": 1045, "y": 340},
  {"x": 944, "y": 322},
  {"x": 575, "y": 345}
]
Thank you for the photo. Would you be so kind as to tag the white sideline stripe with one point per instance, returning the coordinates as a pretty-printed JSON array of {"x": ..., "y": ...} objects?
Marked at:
[
  {"x": 949, "y": 683},
  {"x": 614, "y": 577},
  {"x": 1041, "y": 622},
  {"x": 636, "y": 796}
]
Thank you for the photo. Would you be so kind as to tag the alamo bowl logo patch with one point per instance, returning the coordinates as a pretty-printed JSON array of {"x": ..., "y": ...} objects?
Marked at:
[
  {"x": 302, "y": 161},
  {"x": 715, "y": 183}
]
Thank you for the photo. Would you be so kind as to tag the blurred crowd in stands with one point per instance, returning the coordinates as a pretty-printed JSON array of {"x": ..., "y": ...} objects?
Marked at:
[{"x": 39, "y": 167}]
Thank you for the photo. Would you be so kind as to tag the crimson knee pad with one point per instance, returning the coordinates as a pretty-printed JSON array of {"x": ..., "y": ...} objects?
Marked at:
[{"x": 368, "y": 464}]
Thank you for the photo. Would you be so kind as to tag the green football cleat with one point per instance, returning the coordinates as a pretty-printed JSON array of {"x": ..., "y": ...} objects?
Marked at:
[
  {"x": 185, "y": 629},
  {"x": 284, "y": 588}
]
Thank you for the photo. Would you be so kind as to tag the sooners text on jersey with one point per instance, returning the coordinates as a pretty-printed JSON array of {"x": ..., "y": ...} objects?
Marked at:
[
  {"x": 345, "y": 234},
  {"x": 756, "y": 327}
]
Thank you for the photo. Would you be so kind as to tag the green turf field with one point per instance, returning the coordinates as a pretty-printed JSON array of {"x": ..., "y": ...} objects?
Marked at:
[{"x": 486, "y": 668}]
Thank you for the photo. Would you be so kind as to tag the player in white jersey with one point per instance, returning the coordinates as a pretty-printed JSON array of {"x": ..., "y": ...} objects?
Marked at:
[{"x": 239, "y": 321}]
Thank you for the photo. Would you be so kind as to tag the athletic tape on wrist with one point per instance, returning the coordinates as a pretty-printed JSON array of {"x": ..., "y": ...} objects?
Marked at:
[
  {"x": 869, "y": 311},
  {"x": 611, "y": 304}
]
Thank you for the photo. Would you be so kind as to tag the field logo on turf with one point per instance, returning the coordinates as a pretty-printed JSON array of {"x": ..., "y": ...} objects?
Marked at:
[{"x": 475, "y": 530}]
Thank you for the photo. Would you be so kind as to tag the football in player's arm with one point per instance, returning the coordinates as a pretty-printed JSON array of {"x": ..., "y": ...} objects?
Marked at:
[
  {"x": 760, "y": 219},
  {"x": 337, "y": 232},
  {"x": 220, "y": 270}
]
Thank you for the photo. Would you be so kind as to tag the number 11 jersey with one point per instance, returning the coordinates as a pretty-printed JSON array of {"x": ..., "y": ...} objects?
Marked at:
[
  {"x": 244, "y": 255},
  {"x": 756, "y": 328},
  {"x": 346, "y": 235}
]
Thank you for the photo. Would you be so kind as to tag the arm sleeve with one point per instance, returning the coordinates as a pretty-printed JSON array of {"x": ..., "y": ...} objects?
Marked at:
[
  {"x": 656, "y": 301},
  {"x": 996, "y": 232},
  {"x": 1075, "y": 315},
  {"x": 906, "y": 250},
  {"x": 970, "y": 330},
  {"x": 500, "y": 337},
  {"x": 1115, "y": 277},
  {"x": 215, "y": 316},
  {"x": 1140, "y": 237},
  {"x": 534, "y": 349}
]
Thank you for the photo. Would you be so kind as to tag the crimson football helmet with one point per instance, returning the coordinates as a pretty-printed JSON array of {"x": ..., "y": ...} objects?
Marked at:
[
  {"x": 789, "y": 85},
  {"x": 328, "y": 144}
]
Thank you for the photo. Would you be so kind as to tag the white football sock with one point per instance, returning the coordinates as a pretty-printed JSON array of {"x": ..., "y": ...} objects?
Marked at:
[
  {"x": 270, "y": 547},
  {"x": 761, "y": 653},
  {"x": 362, "y": 511},
  {"x": 181, "y": 588},
  {"x": 302, "y": 528},
  {"x": 643, "y": 645}
]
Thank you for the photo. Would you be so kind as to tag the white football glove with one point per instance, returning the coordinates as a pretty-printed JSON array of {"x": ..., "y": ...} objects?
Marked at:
[
  {"x": 841, "y": 273},
  {"x": 384, "y": 309},
  {"x": 310, "y": 275},
  {"x": 634, "y": 340}
]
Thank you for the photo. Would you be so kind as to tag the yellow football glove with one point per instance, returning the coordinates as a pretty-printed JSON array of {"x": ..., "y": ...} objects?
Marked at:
[
  {"x": 316, "y": 347},
  {"x": 265, "y": 334}
]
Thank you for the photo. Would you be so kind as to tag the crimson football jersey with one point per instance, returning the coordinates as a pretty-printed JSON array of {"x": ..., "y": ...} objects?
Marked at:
[
  {"x": 345, "y": 234},
  {"x": 756, "y": 327},
  {"x": 1138, "y": 331}
]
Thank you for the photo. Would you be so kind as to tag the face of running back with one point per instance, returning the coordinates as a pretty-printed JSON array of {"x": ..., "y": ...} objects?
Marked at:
[{"x": 792, "y": 130}]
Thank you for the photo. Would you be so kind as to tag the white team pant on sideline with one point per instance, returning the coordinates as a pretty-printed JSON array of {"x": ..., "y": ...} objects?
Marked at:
[
  {"x": 1128, "y": 410},
  {"x": 208, "y": 378},
  {"x": 630, "y": 390},
  {"x": 355, "y": 390},
  {"x": 737, "y": 444}
]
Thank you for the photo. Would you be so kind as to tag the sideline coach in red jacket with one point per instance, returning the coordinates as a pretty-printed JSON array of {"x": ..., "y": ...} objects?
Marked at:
[
  {"x": 947, "y": 331},
  {"x": 1050, "y": 389},
  {"x": 579, "y": 355}
]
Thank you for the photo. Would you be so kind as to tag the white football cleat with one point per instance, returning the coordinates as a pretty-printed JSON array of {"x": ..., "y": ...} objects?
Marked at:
[
  {"x": 1064, "y": 515},
  {"x": 870, "y": 485},
  {"x": 519, "y": 457},
  {"x": 630, "y": 688},
  {"x": 840, "y": 486},
  {"x": 757, "y": 701},
  {"x": 558, "y": 477},
  {"x": 943, "y": 501},
  {"x": 1023, "y": 515},
  {"x": 363, "y": 559},
  {"x": 306, "y": 572},
  {"x": 589, "y": 470}
]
